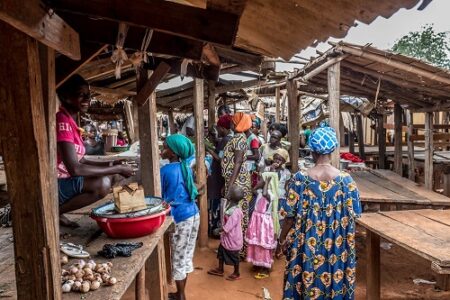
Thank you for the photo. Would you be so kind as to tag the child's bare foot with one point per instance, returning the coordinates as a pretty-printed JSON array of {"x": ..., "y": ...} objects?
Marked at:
[
  {"x": 216, "y": 272},
  {"x": 64, "y": 221}
]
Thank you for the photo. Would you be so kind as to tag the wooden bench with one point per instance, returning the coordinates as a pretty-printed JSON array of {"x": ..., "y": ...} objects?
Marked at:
[
  {"x": 424, "y": 232},
  {"x": 386, "y": 190},
  {"x": 149, "y": 266}
]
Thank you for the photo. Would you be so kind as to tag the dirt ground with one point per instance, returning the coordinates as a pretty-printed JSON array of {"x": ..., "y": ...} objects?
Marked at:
[{"x": 398, "y": 269}]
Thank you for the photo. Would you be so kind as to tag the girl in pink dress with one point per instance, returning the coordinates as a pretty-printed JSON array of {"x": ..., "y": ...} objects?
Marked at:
[{"x": 260, "y": 234}]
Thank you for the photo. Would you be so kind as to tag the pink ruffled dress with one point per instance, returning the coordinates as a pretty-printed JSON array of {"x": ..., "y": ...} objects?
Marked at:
[{"x": 260, "y": 235}]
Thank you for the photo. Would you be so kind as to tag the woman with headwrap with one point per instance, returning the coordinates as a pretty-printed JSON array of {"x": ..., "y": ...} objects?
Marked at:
[
  {"x": 215, "y": 180},
  {"x": 179, "y": 190},
  {"x": 234, "y": 170},
  {"x": 318, "y": 235}
]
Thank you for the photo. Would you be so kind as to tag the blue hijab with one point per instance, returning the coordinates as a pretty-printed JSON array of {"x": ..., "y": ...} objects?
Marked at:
[{"x": 323, "y": 139}]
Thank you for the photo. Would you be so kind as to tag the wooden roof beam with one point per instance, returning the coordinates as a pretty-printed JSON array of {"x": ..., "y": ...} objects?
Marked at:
[
  {"x": 152, "y": 83},
  {"x": 43, "y": 25},
  {"x": 105, "y": 32},
  {"x": 109, "y": 91},
  {"x": 66, "y": 67},
  {"x": 395, "y": 64},
  {"x": 187, "y": 21}
]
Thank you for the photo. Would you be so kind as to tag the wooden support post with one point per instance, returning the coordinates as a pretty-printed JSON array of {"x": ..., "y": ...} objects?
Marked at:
[
  {"x": 148, "y": 134},
  {"x": 360, "y": 133},
  {"x": 156, "y": 277},
  {"x": 129, "y": 120},
  {"x": 140, "y": 285},
  {"x": 30, "y": 175},
  {"x": 341, "y": 131},
  {"x": 398, "y": 149},
  {"x": 381, "y": 142},
  {"x": 351, "y": 136},
  {"x": 294, "y": 128},
  {"x": 135, "y": 116},
  {"x": 211, "y": 103},
  {"x": 334, "y": 76},
  {"x": 428, "y": 166},
  {"x": 200, "y": 158},
  {"x": 373, "y": 266},
  {"x": 277, "y": 104},
  {"x": 411, "y": 162},
  {"x": 172, "y": 126}
]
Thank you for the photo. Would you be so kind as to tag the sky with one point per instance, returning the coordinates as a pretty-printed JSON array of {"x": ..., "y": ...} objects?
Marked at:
[{"x": 382, "y": 33}]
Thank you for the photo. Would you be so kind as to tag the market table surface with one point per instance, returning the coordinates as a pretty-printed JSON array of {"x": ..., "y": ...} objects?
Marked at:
[
  {"x": 152, "y": 256},
  {"x": 424, "y": 232},
  {"x": 393, "y": 192}
]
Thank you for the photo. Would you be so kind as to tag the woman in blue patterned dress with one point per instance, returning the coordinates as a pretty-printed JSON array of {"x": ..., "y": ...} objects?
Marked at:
[{"x": 318, "y": 235}]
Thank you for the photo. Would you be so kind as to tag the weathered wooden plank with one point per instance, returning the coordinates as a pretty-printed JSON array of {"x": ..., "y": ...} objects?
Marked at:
[
  {"x": 200, "y": 166},
  {"x": 334, "y": 77},
  {"x": 360, "y": 134},
  {"x": 398, "y": 154},
  {"x": 428, "y": 168},
  {"x": 409, "y": 238},
  {"x": 381, "y": 142},
  {"x": 277, "y": 104},
  {"x": 421, "y": 223},
  {"x": 37, "y": 271},
  {"x": 294, "y": 128},
  {"x": 44, "y": 26},
  {"x": 161, "y": 16},
  {"x": 66, "y": 67},
  {"x": 411, "y": 161},
  {"x": 436, "y": 215},
  {"x": 156, "y": 273},
  {"x": 148, "y": 137},
  {"x": 211, "y": 104},
  {"x": 151, "y": 84},
  {"x": 140, "y": 285},
  {"x": 435, "y": 198},
  {"x": 373, "y": 266}
]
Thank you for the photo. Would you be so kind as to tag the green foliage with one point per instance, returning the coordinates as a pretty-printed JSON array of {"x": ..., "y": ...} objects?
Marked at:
[{"x": 428, "y": 45}]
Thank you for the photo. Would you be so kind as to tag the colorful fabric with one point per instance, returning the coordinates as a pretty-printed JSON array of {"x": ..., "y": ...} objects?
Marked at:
[
  {"x": 225, "y": 121},
  {"x": 183, "y": 247},
  {"x": 238, "y": 143},
  {"x": 184, "y": 149},
  {"x": 174, "y": 192},
  {"x": 232, "y": 238},
  {"x": 323, "y": 140},
  {"x": 321, "y": 257},
  {"x": 273, "y": 191},
  {"x": 242, "y": 122},
  {"x": 68, "y": 131},
  {"x": 260, "y": 235}
]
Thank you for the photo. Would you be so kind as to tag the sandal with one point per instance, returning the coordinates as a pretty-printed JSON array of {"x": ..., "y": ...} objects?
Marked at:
[
  {"x": 262, "y": 276},
  {"x": 233, "y": 277},
  {"x": 216, "y": 272}
]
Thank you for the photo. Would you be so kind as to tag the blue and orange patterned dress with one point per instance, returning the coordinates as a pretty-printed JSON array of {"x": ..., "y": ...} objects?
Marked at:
[{"x": 321, "y": 258}]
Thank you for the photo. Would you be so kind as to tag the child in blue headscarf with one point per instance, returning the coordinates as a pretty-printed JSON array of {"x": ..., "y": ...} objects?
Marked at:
[{"x": 179, "y": 189}]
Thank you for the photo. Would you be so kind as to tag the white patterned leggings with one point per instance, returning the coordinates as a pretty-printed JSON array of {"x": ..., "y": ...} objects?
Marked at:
[{"x": 183, "y": 246}]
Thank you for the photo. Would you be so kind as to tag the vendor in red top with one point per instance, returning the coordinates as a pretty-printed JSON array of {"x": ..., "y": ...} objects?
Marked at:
[{"x": 80, "y": 182}]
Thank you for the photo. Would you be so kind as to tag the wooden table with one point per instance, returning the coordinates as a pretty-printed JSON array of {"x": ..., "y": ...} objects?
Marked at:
[
  {"x": 424, "y": 232},
  {"x": 386, "y": 190},
  {"x": 149, "y": 265}
]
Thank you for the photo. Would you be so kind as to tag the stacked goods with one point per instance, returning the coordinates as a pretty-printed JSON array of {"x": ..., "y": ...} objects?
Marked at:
[
  {"x": 84, "y": 277},
  {"x": 129, "y": 198}
]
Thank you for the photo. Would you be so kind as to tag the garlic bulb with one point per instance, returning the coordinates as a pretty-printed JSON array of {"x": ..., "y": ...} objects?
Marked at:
[
  {"x": 85, "y": 287},
  {"x": 109, "y": 264},
  {"x": 73, "y": 270},
  {"x": 64, "y": 259},
  {"x": 111, "y": 281},
  {"x": 95, "y": 285},
  {"x": 93, "y": 263},
  {"x": 66, "y": 288},
  {"x": 76, "y": 286}
]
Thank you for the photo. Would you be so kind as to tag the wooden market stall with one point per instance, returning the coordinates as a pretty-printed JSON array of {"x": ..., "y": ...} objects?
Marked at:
[
  {"x": 48, "y": 41},
  {"x": 382, "y": 76}
]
